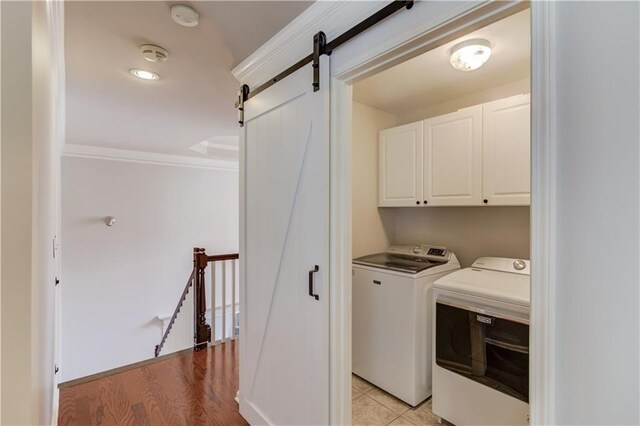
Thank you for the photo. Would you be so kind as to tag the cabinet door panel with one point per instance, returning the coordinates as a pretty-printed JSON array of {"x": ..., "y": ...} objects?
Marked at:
[
  {"x": 400, "y": 171},
  {"x": 507, "y": 151},
  {"x": 452, "y": 155}
]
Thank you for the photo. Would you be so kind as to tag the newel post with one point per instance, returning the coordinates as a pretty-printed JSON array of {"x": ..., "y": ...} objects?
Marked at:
[{"x": 202, "y": 330}]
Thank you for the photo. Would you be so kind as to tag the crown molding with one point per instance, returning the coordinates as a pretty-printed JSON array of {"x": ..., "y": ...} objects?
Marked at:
[
  {"x": 295, "y": 40},
  {"x": 114, "y": 154}
]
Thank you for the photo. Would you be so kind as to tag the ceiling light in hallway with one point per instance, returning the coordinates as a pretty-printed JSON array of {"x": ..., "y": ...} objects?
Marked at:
[
  {"x": 144, "y": 74},
  {"x": 470, "y": 55}
]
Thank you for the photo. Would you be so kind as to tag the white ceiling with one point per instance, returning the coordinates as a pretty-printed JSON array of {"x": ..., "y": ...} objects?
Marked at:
[
  {"x": 429, "y": 79},
  {"x": 193, "y": 100}
]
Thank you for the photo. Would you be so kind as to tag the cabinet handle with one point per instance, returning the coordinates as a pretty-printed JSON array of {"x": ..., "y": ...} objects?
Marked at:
[
  {"x": 311, "y": 272},
  {"x": 485, "y": 201},
  {"x": 418, "y": 203},
  {"x": 425, "y": 201}
]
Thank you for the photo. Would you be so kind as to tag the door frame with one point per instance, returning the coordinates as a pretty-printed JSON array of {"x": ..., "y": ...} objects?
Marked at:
[{"x": 543, "y": 178}]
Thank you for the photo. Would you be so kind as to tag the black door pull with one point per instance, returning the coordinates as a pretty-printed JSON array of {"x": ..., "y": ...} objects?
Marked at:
[{"x": 311, "y": 272}]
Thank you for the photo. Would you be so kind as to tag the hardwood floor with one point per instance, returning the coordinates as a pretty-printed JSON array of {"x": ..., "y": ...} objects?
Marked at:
[{"x": 195, "y": 388}]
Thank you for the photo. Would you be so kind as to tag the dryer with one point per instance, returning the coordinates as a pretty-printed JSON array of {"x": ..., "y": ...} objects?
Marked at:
[
  {"x": 392, "y": 303},
  {"x": 481, "y": 344}
]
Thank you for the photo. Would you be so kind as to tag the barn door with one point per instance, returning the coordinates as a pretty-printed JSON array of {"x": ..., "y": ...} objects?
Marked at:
[{"x": 284, "y": 367}]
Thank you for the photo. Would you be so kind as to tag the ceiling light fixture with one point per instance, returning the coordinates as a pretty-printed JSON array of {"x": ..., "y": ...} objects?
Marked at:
[
  {"x": 144, "y": 74},
  {"x": 184, "y": 15},
  {"x": 470, "y": 55}
]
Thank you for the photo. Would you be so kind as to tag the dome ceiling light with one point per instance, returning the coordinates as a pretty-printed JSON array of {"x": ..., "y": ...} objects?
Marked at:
[{"x": 470, "y": 55}]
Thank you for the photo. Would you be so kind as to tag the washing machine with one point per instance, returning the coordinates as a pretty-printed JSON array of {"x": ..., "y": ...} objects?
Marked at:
[
  {"x": 391, "y": 317},
  {"x": 481, "y": 343}
]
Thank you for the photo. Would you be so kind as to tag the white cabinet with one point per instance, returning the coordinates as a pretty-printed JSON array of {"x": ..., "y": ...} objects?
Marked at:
[
  {"x": 452, "y": 158},
  {"x": 506, "y": 149},
  {"x": 400, "y": 170},
  {"x": 475, "y": 156}
]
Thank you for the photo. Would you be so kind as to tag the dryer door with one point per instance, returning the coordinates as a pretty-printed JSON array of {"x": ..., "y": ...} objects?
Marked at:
[{"x": 489, "y": 349}]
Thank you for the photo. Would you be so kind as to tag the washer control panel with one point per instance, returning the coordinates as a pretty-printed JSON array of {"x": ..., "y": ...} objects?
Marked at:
[{"x": 421, "y": 252}]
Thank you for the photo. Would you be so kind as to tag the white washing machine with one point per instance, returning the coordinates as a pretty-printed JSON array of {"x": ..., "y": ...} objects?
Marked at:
[
  {"x": 392, "y": 302},
  {"x": 481, "y": 344}
]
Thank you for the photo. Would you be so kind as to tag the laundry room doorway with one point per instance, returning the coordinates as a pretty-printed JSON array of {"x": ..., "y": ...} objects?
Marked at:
[{"x": 439, "y": 175}]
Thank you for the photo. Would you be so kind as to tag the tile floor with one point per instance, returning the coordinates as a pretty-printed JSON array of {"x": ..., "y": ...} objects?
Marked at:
[{"x": 373, "y": 406}]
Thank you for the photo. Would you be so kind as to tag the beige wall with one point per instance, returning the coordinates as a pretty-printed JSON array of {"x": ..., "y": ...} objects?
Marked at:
[
  {"x": 372, "y": 227},
  {"x": 470, "y": 232},
  {"x": 16, "y": 211},
  {"x": 518, "y": 87}
]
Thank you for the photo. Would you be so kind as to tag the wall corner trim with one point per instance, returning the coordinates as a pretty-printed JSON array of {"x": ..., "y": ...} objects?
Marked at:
[{"x": 96, "y": 152}]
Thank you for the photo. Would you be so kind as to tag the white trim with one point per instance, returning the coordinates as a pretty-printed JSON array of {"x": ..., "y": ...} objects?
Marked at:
[
  {"x": 54, "y": 395},
  {"x": 88, "y": 151},
  {"x": 340, "y": 254},
  {"x": 56, "y": 22},
  {"x": 295, "y": 40},
  {"x": 543, "y": 219}
]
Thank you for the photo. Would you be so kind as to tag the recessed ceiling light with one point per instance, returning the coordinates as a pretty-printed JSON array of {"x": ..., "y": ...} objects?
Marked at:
[
  {"x": 470, "y": 55},
  {"x": 184, "y": 15},
  {"x": 144, "y": 74}
]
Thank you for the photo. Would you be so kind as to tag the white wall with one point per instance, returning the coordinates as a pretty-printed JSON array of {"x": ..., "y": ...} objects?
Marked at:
[
  {"x": 118, "y": 279},
  {"x": 30, "y": 165},
  {"x": 372, "y": 227},
  {"x": 598, "y": 284}
]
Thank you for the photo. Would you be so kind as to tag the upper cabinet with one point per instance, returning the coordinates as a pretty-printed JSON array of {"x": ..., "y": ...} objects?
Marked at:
[
  {"x": 475, "y": 156},
  {"x": 400, "y": 170},
  {"x": 452, "y": 158},
  {"x": 506, "y": 151}
]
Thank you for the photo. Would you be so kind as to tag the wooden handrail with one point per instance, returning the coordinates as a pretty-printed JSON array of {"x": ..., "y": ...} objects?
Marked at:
[
  {"x": 229, "y": 256},
  {"x": 175, "y": 313},
  {"x": 200, "y": 262}
]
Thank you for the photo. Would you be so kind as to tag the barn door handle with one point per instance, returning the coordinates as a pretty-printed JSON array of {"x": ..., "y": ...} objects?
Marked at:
[{"x": 311, "y": 272}]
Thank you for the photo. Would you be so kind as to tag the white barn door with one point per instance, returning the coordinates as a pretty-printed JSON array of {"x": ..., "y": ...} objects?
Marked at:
[{"x": 284, "y": 343}]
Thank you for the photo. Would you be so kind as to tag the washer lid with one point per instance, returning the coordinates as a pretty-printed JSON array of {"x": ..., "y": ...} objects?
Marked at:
[
  {"x": 396, "y": 263},
  {"x": 502, "y": 286}
]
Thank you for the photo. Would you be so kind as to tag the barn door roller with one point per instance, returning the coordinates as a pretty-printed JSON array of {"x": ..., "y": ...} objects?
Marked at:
[
  {"x": 321, "y": 47},
  {"x": 319, "y": 44}
]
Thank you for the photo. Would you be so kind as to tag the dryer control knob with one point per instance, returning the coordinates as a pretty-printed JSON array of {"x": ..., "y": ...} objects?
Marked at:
[
  {"x": 416, "y": 250},
  {"x": 519, "y": 265}
]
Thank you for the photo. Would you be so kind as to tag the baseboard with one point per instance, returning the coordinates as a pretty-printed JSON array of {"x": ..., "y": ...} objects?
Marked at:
[{"x": 122, "y": 369}]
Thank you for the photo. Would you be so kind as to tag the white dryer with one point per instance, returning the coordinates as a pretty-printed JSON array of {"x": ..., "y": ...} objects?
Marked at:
[
  {"x": 392, "y": 302},
  {"x": 481, "y": 344}
]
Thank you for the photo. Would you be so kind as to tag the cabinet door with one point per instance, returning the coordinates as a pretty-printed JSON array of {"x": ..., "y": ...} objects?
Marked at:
[
  {"x": 507, "y": 151},
  {"x": 453, "y": 158},
  {"x": 400, "y": 166}
]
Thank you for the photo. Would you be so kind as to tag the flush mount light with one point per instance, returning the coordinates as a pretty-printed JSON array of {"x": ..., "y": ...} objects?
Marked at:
[
  {"x": 470, "y": 55},
  {"x": 144, "y": 74},
  {"x": 184, "y": 15}
]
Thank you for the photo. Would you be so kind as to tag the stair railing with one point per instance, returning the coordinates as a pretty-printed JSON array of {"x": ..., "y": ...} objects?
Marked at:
[
  {"x": 202, "y": 331},
  {"x": 224, "y": 295},
  {"x": 175, "y": 314}
]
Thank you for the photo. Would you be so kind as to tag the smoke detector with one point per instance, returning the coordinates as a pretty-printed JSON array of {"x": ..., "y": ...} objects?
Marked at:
[
  {"x": 153, "y": 53},
  {"x": 184, "y": 15}
]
